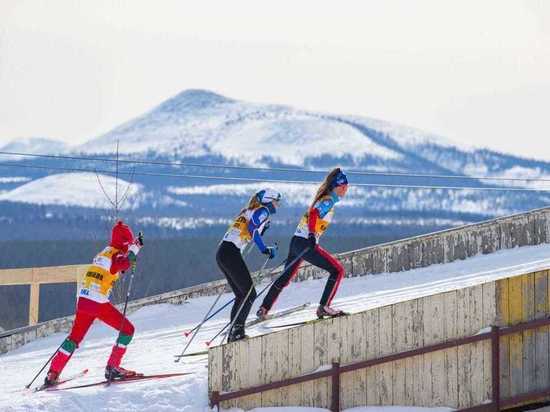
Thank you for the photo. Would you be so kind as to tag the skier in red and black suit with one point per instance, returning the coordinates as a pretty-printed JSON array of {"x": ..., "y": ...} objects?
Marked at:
[
  {"x": 93, "y": 303},
  {"x": 312, "y": 225}
]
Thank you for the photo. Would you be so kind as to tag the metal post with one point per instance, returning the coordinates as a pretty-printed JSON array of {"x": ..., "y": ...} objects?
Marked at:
[
  {"x": 495, "y": 346},
  {"x": 215, "y": 399},
  {"x": 335, "y": 406}
]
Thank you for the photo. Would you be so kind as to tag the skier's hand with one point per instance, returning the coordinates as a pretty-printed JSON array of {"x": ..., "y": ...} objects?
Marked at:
[
  {"x": 139, "y": 239},
  {"x": 133, "y": 260},
  {"x": 312, "y": 240},
  {"x": 271, "y": 251}
]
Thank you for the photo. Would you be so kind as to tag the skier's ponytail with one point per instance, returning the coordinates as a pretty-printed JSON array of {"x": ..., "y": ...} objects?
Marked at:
[
  {"x": 324, "y": 189},
  {"x": 253, "y": 203}
]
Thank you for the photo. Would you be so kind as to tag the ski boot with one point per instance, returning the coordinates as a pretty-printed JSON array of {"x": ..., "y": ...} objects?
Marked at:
[
  {"x": 118, "y": 373},
  {"x": 236, "y": 333},
  {"x": 328, "y": 312},
  {"x": 261, "y": 314},
  {"x": 51, "y": 379}
]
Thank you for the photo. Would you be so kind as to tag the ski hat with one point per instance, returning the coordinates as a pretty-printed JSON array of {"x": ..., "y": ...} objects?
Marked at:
[
  {"x": 339, "y": 180},
  {"x": 121, "y": 236},
  {"x": 266, "y": 196}
]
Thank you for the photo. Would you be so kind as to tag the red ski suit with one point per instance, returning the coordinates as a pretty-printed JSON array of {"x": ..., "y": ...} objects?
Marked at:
[{"x": 97, "y": 286}]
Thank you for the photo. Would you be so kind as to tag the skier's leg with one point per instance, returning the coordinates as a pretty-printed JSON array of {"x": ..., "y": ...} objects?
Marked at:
[
  {"x": 83, "y": 320},
  {"x": 223, "y": 259},
  {"x": 324, "y": 260},
  {"x": 296, "y": 247},
  {"x": 112, "y": 317}
]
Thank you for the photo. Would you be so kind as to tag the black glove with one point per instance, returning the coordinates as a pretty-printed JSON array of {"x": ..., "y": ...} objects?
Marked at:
[
  {"x": 271, "y": 251},
  {"x": 312, "y": 240},
  {"x": 140, "y": 238}
]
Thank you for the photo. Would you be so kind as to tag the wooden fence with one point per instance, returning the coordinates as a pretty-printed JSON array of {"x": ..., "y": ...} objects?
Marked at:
[
  {"x": 458, "y": 377},
  {"x": 34, "y": 277}
]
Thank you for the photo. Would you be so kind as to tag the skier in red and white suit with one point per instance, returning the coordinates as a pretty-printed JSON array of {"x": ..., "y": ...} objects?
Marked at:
[{"x": 93, "y": 303}]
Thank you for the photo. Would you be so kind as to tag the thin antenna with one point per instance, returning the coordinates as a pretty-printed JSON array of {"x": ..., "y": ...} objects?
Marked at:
[{"x": 116, "y": 183}]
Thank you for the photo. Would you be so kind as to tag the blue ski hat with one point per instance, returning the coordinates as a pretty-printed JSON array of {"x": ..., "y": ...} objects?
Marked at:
[
  {"x": 339, "y": 180},
  {"x": 266, "y": 196}
]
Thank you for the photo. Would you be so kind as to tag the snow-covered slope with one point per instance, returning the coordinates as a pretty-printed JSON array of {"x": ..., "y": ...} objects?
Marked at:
[
  {"x": 75, "y": 189},
  {"x": 159, "y": 335}
]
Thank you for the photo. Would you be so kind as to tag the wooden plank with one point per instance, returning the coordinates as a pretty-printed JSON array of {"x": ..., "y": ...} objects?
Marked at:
[
  {"x": 451, "y": 355},
  {"x": 417, "y": 363},
  {"x": 308, "y": 364},
  {"x": 10, "y": 277},
  {"x": 334, "y": 344},
  {"x": 489, "y": 319},
  {"x": 49, "y": 274},
  {"x": 215, "y": 359},
  {"x": 434, "y": 333},
  {"x": 373, "y": 351},
  {"x": 283, "y": 358},
  {"x": 529, "y": 341},
  {"x": 503, "y": 319},
  {"x": 34, "y": 303},
  {"x": 250, "y": 356},
  {"x": 515, "y": 303},
  {"x": 321, "y": 359},
  {"x": 57, "y": 274},
  {"x": 230, "y": 375},
  {"x": 385, "y": 370},
  {"x": 542, "y": 376},
  {"x": 464, "y": 351},
  {"x": 274, "y": 351},
  {"x": 347, "y": 379},
  {"x": 476, "y": 325},
  {"x": 295, "y": 364},
  {"x": 402, "y": 321},
  {"x": 358, "y": 353}
]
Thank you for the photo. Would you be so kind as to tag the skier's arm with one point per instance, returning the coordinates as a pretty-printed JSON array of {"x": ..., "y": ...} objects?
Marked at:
[
  {"x": 121, "y": 262},
  {"x": 259, "y": 218}
]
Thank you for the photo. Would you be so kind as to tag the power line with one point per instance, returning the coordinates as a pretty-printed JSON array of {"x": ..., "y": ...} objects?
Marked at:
[
  {"x": 274, "y": 169},
  {"x": 250, "y": 179}
]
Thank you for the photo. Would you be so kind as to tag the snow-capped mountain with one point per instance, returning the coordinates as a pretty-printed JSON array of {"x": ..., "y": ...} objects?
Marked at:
[
  {"x": 201, "y": 127},
  {"x": 33, "y": 145}
]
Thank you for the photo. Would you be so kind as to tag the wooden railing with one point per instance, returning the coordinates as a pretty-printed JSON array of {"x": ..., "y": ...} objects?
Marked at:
[{"x": 34, "y": 277}]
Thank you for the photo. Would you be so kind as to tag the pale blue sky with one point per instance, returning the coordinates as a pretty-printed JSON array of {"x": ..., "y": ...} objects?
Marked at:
[{"x": 476, "y": 72}]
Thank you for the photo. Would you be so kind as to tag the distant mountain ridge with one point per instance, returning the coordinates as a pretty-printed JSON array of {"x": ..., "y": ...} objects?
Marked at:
[{"x": 200, "y": 126}]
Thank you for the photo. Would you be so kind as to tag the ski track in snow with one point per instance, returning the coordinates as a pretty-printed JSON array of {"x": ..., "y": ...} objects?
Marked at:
[{"x": 159, "y": 336}]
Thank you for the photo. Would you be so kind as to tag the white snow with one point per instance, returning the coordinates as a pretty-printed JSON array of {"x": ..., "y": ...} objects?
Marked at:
[
  {"x": 14, "y": 179},
  {"x": 74, "y": 189},
  {"x": 159, "y": 335}
]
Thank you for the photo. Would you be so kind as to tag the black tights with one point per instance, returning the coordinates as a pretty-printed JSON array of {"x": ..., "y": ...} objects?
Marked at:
[{"x": 232, "y": 265}]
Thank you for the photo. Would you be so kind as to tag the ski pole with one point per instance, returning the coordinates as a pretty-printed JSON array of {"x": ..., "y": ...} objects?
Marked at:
[
  {"x": 207, "y": 317},
  {"x": 296, "y": 259},
  {"x": 259, "y": 277},
  {"x": 44, "y": 367},
  {"x": 196, "y": 328},
  {"x": 128, "y": 291}
]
